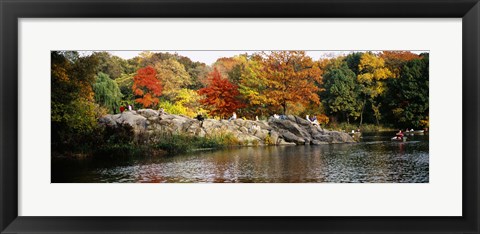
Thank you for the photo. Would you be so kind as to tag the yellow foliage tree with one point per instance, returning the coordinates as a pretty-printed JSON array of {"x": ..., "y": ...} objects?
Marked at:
[{"x": 372, "y": 74}]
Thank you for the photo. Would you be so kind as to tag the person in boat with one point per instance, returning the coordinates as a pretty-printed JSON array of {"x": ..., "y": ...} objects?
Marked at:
[
  {"x": 399, "y": 135},
  {"x": 234, "y": 116}
]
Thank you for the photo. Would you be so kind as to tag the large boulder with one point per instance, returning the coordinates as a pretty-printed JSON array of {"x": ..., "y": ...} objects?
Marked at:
[
  {"x": 291, "y": 130},
  {"x": 138, "y": 122},
  {"x": 147, "y": 113},
  {"x": 340, "y": 137}
]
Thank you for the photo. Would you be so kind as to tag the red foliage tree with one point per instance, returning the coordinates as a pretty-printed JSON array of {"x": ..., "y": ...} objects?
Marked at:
[
  {"x": 394, "y": 60},
  {"x": 146, "y": 87},
  {"x": 220, "y": 96}
]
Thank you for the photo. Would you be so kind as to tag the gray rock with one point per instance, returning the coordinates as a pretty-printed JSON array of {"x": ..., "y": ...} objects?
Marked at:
[
  {"x": 290, "y": 131},
  {"x": 340, "y": 137},
  {"x": 138, "y": 122},
  {"x": 323, "y": 138},
  {"x": 316, "y": 142},
  {"x": 283, "y": 142},
  {"x": 147, "y": 113},
  {"x": 290, "y": 137}
]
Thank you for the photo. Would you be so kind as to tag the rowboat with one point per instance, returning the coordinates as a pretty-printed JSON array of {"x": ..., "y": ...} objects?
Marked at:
[
  {"x": 399, "y": 139},
  {"x": 416, "y": 132}
]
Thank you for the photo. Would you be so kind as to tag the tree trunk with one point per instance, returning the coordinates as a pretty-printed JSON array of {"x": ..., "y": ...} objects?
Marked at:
[
  {"x": 284, "y": 105},
  {"x": 361, "y": 113}
]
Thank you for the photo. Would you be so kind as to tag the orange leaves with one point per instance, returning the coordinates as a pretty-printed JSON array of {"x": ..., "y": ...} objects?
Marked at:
[
  {"x": 147, "y": 87},
  {"x": 394, "y": 60},
  {"x": 291, "y": 77},
  {"x": 138, "y": 92},
  {"x": 221, "y": 96},
  {"x": 147, "y": 100},
  {"x": 399, "y": 55}
]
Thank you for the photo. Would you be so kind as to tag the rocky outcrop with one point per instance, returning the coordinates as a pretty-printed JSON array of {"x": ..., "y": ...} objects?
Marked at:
[{"x": 290, "y": 131}]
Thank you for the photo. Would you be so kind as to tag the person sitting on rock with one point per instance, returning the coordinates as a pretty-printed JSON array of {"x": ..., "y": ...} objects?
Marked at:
[
  {"x": 276, "y": 116},
  {"x": 122, "y": 109},
  {"x": 308, "y": 118},
  {"x": 254, "y": 128},
  {"x": 200, "y": 117},
  {"x": 161, "y": 111},
  {"x": 314, "y": 120},
  {"x": 234, "y": 116}
]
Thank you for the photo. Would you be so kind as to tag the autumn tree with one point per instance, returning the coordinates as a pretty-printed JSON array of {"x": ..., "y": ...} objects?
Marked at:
[
  {"x": 372, "y": 73},
  {"x": 187, "y": 102},
  {"x": 394, "y": 60},
  {"x": 225, "y": 65},
  {"x": 173, "y": 76},
  {"x": 220, "y": 96},
  {"x": 291, "y": 78},
  {"x": 73, "y": 109},
  {"x": 253, "y": 87},
  {"x": 107, "y": 93},
  {"x": 146, "y": 87}
]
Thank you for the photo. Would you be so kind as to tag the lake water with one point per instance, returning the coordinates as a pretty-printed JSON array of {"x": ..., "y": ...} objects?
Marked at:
[{"x": 375, "y": 159}]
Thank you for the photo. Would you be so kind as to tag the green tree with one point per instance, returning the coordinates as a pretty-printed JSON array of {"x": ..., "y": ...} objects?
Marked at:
[
  {"x": 125, "y": 83},
  {"x": 113, "y": 66},
  {"x": 341, "y": 95},
  {"x": 107, "y": 93},
  {"x": 353, "y": 60},
  {"x": 408, "y": 94}
]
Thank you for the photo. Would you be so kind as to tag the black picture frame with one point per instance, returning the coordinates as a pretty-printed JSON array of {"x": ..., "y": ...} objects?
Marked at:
[{"x": 11, "y": 11}]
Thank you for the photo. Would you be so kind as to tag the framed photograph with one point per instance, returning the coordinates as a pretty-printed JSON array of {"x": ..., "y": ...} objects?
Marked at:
[{"x": 226, "y": 116}]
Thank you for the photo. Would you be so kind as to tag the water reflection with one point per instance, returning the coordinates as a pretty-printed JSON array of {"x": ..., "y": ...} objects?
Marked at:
[{"x": 376, "y": 159}]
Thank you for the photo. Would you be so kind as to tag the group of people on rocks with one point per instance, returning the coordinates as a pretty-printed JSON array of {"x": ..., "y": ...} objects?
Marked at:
[
  {"x": 279, "y": 116},
  {"x": 126, "y": 107},
  {"x": 200, "y": 116}
]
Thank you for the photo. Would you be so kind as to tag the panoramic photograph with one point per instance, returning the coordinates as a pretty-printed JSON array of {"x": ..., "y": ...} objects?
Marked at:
[{"x": 230, "y": 116}]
